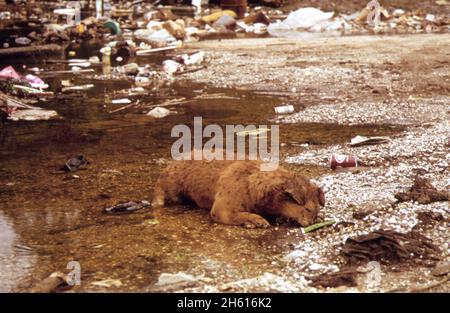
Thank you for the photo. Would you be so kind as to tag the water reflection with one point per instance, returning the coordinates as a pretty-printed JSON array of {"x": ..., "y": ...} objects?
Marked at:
[
  {"x": 50, "y": 219},
  {"x": 16, "y": 261}
]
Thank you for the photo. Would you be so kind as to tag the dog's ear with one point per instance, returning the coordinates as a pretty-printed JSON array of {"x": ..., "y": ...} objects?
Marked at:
[
  {"x": 321, "y": 196},
  {"x": 293, "y": 196}
]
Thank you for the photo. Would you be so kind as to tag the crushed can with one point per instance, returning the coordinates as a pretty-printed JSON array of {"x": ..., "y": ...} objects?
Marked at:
[
  {"x": 285, "y": 109},
  {"x": 342, "y": 160}
]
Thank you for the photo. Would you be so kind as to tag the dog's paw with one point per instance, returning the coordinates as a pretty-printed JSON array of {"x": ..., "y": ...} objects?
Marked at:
[
  {"x": 256, "y": 222},
  {"x": 157, "y": 203}
]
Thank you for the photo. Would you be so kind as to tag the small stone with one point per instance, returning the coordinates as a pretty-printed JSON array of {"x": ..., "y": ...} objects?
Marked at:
[{"x": 442, "y": 268}]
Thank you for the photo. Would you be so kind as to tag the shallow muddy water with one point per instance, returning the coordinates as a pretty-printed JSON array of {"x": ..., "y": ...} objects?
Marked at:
[{"x": 48, "y": 219}]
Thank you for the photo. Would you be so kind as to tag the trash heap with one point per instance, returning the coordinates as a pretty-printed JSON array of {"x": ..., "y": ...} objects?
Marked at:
[
  {"x": 166, "y": 25},
  {"x": 371, "y": 19},
  {"x": 128, "y": 30},
  {"x": 17, "y": 93}
]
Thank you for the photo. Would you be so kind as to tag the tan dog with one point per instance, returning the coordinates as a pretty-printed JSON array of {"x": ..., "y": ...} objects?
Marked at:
[{"x": 237, "y": 192}]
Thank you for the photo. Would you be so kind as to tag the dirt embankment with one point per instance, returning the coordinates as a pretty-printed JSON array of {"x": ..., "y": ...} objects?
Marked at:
[
  {"x": 331, "y": 70},
  {"x": 346, "y": 6},
  {"x": 355, "y": 81}
]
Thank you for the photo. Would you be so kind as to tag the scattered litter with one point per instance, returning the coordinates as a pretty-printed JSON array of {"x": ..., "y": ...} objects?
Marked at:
[
  {"x": 75, "y": 163},
  {"x": 130, "y": 68},
  {"x": 122, "y": 108},
  {"x": 108, "y": 283},
  {"x": 32, "y": 115},
  {"x": 370, "y": 266},
  {"x": 285, "y": 109},
  {"x": 345, "y": 277},
  {"x": 77, "y": 88},
  {"x": 373, "y": 13},
  {"x": 388, "y": 246},
  {"x": 113, "y": 26},
  {"x": 94, "y": 60},
  {"x": 296, "y": 254},
  {"x": 171, "y": 67},
  {"x": 317, "y": 226},
  {"x": 268, "y": 282},
  {"x": 150, "y": 50},
  {"x": 171, "y": 279},
  {"x": 315, "y": 267},
  {"x": 126, "y": 207},
  {"x": 217, "y": 15},
  {"x": 339, "y": 160},
  {"x": 152, "y": 221},
  {"x": 225, "y": 21},
  {"x": 429, "y": 217},
  {"x": 398, "y": 12},
  {"x": 304, "y": 19},
  {"x": 80, "y": 64},
  {"x": 420, "y": 288},
  {"x": 430, "y": 18},
  {"x": 56, "y": 282},
  {"x": 193, "y": 59},
  {"x": 9, "y": 72},
  {"x": 34, "y": 91},
  {"x": 441, "y": 268},
  {"x": 23, "y": 41},
  {"x": 423, "y": 192},
  {"x": 175, "y": 28},
  {"x": 161, "y": 37},
  {"x": 257, "y": 28},
  {"x": 162, "y": 31},
  {"x": 121, "y": 101},
  {"x": 362, "y": 140},
  {"x": 159, "y": 112},
  {"x": 257, "y": 132},
  {"x": 362, "y": 213},
  {"x": 35, "y": 81},
  {"x": 373, "y": 273}
]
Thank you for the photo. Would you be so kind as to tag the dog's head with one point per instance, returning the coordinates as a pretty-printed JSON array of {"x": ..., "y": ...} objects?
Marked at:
[{"x": 300, "y": 200}]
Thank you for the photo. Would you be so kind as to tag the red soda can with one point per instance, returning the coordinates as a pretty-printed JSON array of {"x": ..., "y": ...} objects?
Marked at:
[{"x": 342, "y": 160}]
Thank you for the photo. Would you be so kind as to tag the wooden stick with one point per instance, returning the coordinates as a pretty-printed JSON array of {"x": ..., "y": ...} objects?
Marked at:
[
  {"x": 30, "y": 50},
  {"x": 15, "y": 103},
  {"x": 317, "y": 226},
  {"x": 147, "y": 51},
  {"x": 170, "y": 102},
  {"x": 50, "y": 283},
  {"x": 429, "y": 286},
  {"x": 90, "y": 70},
  {"x": 192, "y": 70},
  {"x": 123, "y": 108}
]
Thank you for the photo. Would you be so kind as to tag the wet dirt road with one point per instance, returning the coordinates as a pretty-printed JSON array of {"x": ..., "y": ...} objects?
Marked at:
[
  {"x": 57, "y": 217},
  {"x": 49, "y": 219}
]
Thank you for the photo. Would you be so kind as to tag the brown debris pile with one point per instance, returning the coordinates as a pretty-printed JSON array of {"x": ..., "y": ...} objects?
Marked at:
[
  {"x": 362, "y": 213},
  {"x": 388, "y": 246},
  {"x": 333, "y": 280},
  {"x": 422, "y": 192},
  {"x": 429, "y": 217}
]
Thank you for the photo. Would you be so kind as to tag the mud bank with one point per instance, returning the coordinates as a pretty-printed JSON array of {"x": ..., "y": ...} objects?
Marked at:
[
  {"x": 53, "y": 219},
  {"x": 331, "y": 70},
  {"x": 354, "y": 81}
]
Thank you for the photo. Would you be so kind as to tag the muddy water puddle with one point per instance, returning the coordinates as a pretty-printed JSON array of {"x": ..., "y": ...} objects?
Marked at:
[{"x": 58, "y": 217}]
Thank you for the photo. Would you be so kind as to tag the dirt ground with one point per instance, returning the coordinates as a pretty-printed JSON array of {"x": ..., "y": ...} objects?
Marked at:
[
  {"x": 351, "y": 6},
  {"x": 377, "y": 66},
  {"x": 402, "y": 84},
  {"x": 340, "y": 87},
  {"x": 401, "y": 80}
]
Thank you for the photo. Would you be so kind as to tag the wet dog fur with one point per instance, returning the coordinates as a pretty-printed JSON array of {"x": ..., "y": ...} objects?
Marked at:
[{"x": 238, "y": 192}]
